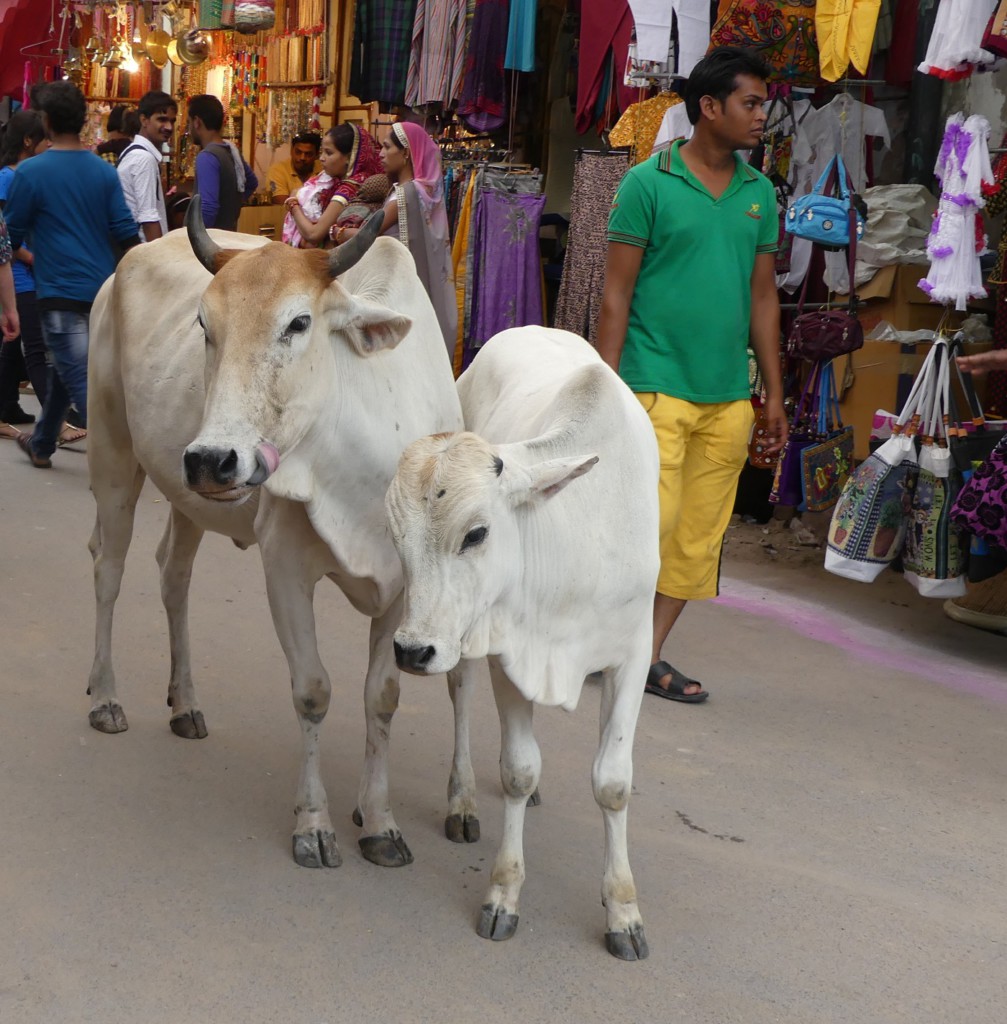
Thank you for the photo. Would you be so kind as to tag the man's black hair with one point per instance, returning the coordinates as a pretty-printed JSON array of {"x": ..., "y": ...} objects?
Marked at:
[
  {"x": 307, "y": 139},
  {"x": 717, "y": 73},
  {"x": 131, "y": 123},
  {"x": 209, "y": 110},
  {"x": 115, "y": 118},
  {"x": 64, "y": 105},
  {"x": 25, "y": 124},
  {"x": 156, "y": 102}
]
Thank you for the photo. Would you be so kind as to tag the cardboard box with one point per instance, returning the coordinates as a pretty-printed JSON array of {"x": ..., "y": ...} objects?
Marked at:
[
  {"x": 893, "y": 294},
  {"x": 875, "y": 372}
]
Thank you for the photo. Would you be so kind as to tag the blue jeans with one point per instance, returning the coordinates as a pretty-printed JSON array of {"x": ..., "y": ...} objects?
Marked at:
[{"x": 66, "y": 338}]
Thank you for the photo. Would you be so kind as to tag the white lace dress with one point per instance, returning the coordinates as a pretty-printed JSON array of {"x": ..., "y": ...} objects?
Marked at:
[
  {"x": 955, "y": 47},
  {"x": 956, "y": 239}
]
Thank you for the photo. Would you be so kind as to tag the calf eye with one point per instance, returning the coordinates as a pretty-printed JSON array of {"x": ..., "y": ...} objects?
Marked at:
[
  {"x": 474, "y": 538},
  {"x": 299, "y": 324}
]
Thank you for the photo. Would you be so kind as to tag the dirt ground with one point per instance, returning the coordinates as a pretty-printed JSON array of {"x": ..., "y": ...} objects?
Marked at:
[{"x": 823, "y": 841}]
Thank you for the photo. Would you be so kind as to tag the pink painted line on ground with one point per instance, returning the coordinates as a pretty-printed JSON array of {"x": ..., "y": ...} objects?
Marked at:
[{"x": 868, "y": 643}]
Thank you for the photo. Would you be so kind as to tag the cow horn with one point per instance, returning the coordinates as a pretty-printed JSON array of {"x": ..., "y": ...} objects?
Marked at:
[
  {"x": 205, "y": 248},
  {"x": 350, "y": 253}
]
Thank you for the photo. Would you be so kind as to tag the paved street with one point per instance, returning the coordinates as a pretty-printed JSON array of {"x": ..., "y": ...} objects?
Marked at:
[{"x": 824, "y": 841}]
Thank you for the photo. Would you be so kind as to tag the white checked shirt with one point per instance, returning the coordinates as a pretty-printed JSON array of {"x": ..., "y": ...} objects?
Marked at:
[{"x": 140, "y": 177}]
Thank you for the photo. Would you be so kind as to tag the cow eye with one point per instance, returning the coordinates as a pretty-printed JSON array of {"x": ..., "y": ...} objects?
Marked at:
[
  {"x": 474, "y": 538},
  {"x": 299, "y": 324}
]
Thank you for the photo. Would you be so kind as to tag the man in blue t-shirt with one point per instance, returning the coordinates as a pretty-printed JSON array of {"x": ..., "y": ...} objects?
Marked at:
[{"x": 69, "y": 204}]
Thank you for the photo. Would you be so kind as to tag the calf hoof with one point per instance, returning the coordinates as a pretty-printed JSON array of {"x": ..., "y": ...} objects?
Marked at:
[
  {"x": 495, "y": 924},
  {"x": 386, "y": 851},
  {"x": 316, "y": 850},
  {"x": 630, "y": 945},
  {"x": 358, "y": 818},
  {"x": 189, "y": 725},
  {"x": 460, "y": 828},
  {"x": 108, "y": 718},
  {"x": 535, "y": 799}
]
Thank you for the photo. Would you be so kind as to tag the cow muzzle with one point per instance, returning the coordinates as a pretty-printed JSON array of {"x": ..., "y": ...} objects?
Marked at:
[
  {"x": 218, "y": 473},
  {"x": 425, "y": 656}
]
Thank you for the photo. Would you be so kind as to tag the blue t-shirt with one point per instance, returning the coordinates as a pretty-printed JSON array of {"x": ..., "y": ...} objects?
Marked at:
[
  {"x": 24, "y": 280},
  {"x": 69, "y": 204}
]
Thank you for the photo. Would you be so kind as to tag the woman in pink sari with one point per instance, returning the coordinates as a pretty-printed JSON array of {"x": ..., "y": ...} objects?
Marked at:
[
  {"x": 349, "y": 157},
  {"x": 415, "y": 213}
]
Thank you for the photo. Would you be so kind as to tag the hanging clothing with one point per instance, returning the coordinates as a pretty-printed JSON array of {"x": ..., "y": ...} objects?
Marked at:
[
  {"x": 595, "y": 182},
  {"x": 422, "y": 225},
  {"x": 382, "y": 42},
  {"x": 639, "y": 125},
  {"x": 845, "y": 30},
  {"x": 508, "y": 271},
  {"x": 459, "y": 256},
  {"x": 995, "y": 37},
  {"x": 783, "y": 32},
  {"x": 482, "y": 105},
  {"x": 653, "y": 30},
  {"x": 956, "y": 239},
  {"x": 955, "y": 48},
  {"x": 437, "y": 55},
  {"x": 900, "y": 66},
  {"x": 520, "y": 54},
  {"x": 674, "y": 125},
  {"x": 606, "y": 27}
]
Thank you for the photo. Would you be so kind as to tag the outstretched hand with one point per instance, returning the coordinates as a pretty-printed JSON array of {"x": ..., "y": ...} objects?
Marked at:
[{"x": 984, "y": 361}]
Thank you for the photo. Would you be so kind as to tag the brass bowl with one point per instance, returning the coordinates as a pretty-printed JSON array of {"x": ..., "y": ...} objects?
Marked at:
[{"x": 173, "y": 53}]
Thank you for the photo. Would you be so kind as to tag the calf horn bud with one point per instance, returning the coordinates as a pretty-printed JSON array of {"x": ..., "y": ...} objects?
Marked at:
[
  {"x": 350, "y": 253},
  {"x": 206, "y": 249}
]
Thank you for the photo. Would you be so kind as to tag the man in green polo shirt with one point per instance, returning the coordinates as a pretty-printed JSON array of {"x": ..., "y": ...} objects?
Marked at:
[{"x": 690, "y": 284}]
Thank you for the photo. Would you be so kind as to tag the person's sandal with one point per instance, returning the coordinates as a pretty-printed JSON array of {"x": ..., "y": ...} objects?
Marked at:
[
  {"x": 675, "y": 690},
  {"x": 70, "y": 436},
  {"x": 38, "y": 461}
]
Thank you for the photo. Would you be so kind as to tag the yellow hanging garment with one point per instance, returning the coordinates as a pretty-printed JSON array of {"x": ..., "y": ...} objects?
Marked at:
[
  {"x": 640, "y": 123},
  {"x": 845, "y": 30}
]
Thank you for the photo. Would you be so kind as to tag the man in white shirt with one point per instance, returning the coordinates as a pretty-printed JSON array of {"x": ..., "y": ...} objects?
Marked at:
[{"x": 139, "y": 166}]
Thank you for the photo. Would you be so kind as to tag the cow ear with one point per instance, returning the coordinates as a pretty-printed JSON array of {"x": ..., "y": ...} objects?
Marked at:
[
  {"x": 545, "y": 479},
  {"x": 369, "y": 327}
]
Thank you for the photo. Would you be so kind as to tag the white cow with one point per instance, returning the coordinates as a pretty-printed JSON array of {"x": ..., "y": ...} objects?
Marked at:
[
  {"x": 318, "y": 369},
  {"x": 502, "y": 559}
]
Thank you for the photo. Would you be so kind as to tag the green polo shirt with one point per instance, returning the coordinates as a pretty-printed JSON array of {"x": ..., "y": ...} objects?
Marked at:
[{"x": 689, "y": 319}]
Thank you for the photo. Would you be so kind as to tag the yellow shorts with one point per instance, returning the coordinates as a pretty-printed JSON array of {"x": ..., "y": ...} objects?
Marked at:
[{"x": 703, "y": 450}]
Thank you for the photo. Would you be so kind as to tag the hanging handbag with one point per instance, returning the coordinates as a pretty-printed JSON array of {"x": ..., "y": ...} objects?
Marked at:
[
  {"x": 934, "y": 557},
  {"x": 826, "y": 333},
  {"x": 787, "y": 487},
  {"x": 827, "y": 219},
  {"x": 869, "y": 521},
  {"x": 980, "y": 508},
  {"x": 826, "y": 466}
]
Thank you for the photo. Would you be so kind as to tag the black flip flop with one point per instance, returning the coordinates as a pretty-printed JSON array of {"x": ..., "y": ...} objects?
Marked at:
[{"x": 676, "y": 688}]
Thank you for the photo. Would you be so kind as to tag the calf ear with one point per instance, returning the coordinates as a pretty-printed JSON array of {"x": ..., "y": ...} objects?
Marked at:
[
  {"x": 368, "y": 327},
  {"x": 545, "y": 479}
]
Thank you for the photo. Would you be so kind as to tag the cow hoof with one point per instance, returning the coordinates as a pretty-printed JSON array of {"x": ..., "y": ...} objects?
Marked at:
[
  {"x": 316, "y": 850},
  {"x": 358, "y": 818},
  {"x": 460, "y": 828},
  {"x": 386, "y": 851},
  {"x": 190, "y": 725},
  {"x": 108, "y": 718},
  {"x": 631, "y": 945},
  {"x": 535, "y": 799},
  {"x": 495, "y": 924}
]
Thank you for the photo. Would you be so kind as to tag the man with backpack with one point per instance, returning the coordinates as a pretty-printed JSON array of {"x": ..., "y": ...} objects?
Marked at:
[
  {"x": 139, "y": 165},
  {"x": 223, "y": 179}
]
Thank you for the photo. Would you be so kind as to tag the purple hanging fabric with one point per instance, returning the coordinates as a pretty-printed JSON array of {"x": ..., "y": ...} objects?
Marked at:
[
  {"x": 482, "y": 105},
  {"x": 507, "y": 278}
]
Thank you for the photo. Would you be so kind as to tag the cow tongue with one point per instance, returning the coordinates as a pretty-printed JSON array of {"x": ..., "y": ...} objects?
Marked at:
[{"x": 270, "y": 456}]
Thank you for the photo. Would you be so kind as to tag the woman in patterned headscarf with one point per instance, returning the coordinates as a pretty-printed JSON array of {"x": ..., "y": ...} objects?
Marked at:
[
  {"x": 349, "y": 156},
  {"x": 415, "y": 214}
]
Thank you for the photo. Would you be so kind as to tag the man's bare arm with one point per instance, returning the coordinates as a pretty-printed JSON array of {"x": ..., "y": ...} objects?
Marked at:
[{"x": 621, "y": 271}]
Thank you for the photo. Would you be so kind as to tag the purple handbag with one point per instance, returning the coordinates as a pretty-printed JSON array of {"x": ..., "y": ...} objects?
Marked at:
[
  {"x": 829, "y": 333},
  {"x": 788, "y": 487},
  {"x": 981, "y": 505}
]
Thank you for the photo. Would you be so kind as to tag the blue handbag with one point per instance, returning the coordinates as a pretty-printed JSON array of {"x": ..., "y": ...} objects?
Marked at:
[{"x": 823, "y": 217}]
